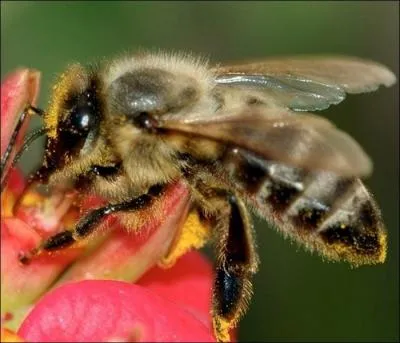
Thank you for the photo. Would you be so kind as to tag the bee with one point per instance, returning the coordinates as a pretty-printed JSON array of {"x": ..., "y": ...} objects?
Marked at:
[{"x": 240, "y": 137}]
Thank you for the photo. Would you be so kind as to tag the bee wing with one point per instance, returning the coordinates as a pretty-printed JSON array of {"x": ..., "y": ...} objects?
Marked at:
[
  {"x": 307, "y": 83},
  {"x": 301, "y": 140}
]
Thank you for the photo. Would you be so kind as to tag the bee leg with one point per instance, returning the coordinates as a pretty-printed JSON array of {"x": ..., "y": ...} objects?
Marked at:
[
  {"x": 237, "y": 261},
  {"x": 88, "y": 224}
]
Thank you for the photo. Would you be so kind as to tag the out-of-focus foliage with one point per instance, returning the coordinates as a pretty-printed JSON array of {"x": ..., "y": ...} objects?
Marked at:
[{"x": 298, "y": 297}]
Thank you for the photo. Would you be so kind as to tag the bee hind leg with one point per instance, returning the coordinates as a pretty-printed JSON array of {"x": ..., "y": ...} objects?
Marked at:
[
  {"x": 236, "y": 263},
  {"x": 88, "y": 224}
]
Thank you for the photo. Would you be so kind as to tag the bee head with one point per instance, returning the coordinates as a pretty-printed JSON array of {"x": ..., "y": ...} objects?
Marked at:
[{"x": 74, "y": 117}]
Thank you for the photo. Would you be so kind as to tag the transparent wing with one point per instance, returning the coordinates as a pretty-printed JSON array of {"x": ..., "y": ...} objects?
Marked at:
[
  {"x": 307, "y": 83},
  {"x": 300, "y": 140}
]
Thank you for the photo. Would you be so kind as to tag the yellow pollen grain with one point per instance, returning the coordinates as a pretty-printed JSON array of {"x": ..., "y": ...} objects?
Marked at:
[
  {"x": 194, "y": 234},
  {"x": 7, "y": 203},
  {"x": 9, "y": 336},
  {"x": 31, "y": 199},
  {"x": 383, "y": 245},
  {"x": 221, "y": 329}
]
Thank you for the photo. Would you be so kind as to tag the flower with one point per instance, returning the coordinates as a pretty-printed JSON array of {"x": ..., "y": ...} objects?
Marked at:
[{"x": 85, "y": 293}]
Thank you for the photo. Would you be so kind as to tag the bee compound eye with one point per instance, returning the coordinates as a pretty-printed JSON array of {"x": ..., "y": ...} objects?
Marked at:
[{"x": 81, "y": 120}]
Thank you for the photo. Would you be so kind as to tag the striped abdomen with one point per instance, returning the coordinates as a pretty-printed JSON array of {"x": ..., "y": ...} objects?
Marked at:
[{"x": 336, "y": 216}]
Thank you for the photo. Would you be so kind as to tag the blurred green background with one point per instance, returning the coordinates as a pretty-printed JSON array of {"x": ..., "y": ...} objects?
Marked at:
[{"x": 298, "y": 297}]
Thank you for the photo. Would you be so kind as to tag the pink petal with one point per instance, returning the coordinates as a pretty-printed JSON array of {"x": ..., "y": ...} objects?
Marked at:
[
  {"x": 188, "y": 283},
  {"x": 17, "y": 90},
  {"x": 110, "y": 310},
  {"x": 127, "y": 255},
  {"x": 16, "y": 182},
  {"x": 20, "y": 285}
]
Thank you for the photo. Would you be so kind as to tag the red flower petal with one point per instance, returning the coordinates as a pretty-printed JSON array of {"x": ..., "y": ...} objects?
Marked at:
[
  {"x": 16, "y": 182},
  {"x": 188, "y": 283},
  {"x": 125, "y": 255},
  {"x": 17, "y": 90},
  {"x": 21, "y": 285},
  {"x": 105, "y": 310}
]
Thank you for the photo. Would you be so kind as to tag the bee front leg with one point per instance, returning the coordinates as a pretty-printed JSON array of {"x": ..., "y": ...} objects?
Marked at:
[
  {"x": 237, "y": 261},
  {"x": 89, "y": 223}
]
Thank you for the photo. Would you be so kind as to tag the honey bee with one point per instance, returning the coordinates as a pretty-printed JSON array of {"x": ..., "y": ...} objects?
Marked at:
[{"x": 238, "y": 136}]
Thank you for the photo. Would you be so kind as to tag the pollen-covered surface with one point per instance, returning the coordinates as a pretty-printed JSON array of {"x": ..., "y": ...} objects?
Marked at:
[{"x": 193, "y": 235}]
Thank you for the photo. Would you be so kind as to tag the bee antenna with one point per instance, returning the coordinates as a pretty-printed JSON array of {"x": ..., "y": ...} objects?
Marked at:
[{"x": 27, "y": 142}]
